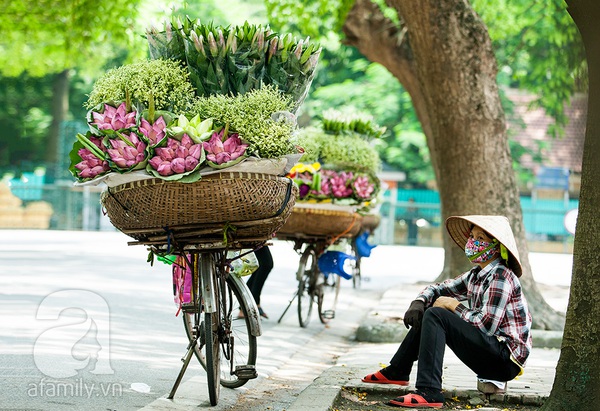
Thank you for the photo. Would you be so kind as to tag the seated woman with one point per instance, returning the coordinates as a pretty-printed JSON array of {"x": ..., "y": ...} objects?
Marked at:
[{"x": 490, "y": 332}]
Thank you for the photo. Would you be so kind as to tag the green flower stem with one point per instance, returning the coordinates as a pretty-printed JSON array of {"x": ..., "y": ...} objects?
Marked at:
[
  {"x": 91, "y": 146},
  {"x": 125, "y": 139}
]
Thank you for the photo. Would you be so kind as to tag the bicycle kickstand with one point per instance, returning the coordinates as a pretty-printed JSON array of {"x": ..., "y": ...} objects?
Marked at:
[
  {"x": 288, "y": 307},
  {"x": 186, "y": 360}
]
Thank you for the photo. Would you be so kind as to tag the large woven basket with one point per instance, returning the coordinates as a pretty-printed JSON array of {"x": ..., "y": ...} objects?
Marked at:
[
  {"x": 306, "y": 221},
  {"x": 229, "y": 205}
]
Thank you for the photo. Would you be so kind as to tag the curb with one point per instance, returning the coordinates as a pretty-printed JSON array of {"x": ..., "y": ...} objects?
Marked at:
[
  {"x": 382, "y": 329},
  {"x": 326, "y": 389}
]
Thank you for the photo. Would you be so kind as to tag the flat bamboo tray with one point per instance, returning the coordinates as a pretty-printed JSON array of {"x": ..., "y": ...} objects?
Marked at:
[{"x": 318, "y": 222}]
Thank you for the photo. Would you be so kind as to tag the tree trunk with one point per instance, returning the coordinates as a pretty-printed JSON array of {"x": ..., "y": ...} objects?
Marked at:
[
  {"x": 577, "y": 381},
  {"x": 443, "y": 57},
  {"x": 60, "y": 108}
]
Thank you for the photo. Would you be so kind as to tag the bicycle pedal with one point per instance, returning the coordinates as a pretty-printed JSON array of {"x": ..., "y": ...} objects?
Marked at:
[
  {"x": 329, "y": 314},
  {"x": 245, "y": 372}
]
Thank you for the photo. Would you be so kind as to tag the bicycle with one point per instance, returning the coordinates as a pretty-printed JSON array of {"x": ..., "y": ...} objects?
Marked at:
[
  {"x": 200, "y": 222},
  {"x": 314, "y": 286},
  {"x": 223, "y": 341}
]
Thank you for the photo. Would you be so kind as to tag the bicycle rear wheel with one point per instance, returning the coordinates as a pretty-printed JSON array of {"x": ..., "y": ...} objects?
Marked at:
[{"x": 306, "y": 285}]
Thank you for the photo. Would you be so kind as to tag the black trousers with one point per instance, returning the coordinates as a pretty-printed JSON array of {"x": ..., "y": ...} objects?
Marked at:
[
  {"x": 258, "y": 278},
  {"x": 485, "y": 355}
]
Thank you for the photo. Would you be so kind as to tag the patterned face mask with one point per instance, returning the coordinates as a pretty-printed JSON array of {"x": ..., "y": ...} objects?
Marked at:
[{"x": 481, "y": 251}]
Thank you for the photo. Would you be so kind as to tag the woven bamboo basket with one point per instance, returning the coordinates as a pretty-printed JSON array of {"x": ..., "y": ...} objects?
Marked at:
[
  {"x": 228, "y": 204},
  {"x": 318, "y": 222}
]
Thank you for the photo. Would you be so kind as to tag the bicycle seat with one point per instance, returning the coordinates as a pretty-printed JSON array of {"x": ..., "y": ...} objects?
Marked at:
[
  {"x": 332, "y": 262},
  {"x": 363, "y": 248}
]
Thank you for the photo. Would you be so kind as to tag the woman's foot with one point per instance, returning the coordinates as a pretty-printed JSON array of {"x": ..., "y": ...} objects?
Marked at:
[
  {"x": 386, "y": 376},
  {"x": 262, "y": 313},
  {"x": 420, "y": 399}
]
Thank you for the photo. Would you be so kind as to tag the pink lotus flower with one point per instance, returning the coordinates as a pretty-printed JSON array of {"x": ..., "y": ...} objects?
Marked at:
[
  {"x": 91, "y": 166},
  {"x": 127, "y": 151},
  {"x": 155, "y": 132},
  {"x": 177, "y": 157},
  {"x": 336, "y": 184},
  {"x": 363, "y": 187},
  {"x": 220, "y": 152},
  {"x": 114, "y": 118}
]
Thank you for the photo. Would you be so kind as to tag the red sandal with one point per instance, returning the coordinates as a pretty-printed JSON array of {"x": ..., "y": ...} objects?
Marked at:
[
  {"x": 414, "y": 401},
  {"x": 379, "y": 378}
]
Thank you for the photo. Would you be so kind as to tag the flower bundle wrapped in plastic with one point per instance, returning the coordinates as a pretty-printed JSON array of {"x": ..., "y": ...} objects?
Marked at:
[{"x": 237, "y": 59}]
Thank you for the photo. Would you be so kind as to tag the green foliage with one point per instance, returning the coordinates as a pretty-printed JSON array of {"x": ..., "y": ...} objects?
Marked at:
[
  {"x": 49, "y": 36},
  {"x": 409, "y": 153},
  {"x": 251, "y": 116},
  {"x": 538, "y": 48},
  {"x": 164, "y": 81}
]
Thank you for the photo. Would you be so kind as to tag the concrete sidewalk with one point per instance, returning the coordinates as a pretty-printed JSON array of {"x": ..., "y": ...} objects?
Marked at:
[{"x": 363, "y": 358}]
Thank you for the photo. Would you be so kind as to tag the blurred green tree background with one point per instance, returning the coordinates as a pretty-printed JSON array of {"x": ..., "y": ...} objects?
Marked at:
[{"x": 50, "y": 56}]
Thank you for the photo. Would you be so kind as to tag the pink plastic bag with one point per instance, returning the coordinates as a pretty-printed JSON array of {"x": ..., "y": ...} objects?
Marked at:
[{"x": 182, "y": 282}]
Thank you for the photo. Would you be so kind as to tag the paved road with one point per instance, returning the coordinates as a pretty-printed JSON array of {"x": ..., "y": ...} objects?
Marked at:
[{"x": 88, "y": 324}]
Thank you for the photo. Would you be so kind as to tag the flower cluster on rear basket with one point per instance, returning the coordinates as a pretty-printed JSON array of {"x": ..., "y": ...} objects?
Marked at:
[{"x": 340, "y": 161}]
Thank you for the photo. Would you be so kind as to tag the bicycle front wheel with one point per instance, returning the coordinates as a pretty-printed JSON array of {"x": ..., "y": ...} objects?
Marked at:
[
  {"x": 306, "y": 285},
  {"x": 327, "y": 290},
  {"x": 238, "y": 344}
]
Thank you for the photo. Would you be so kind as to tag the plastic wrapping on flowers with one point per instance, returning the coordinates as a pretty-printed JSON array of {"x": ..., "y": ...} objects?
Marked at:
[{"x": 236, "y": 59}]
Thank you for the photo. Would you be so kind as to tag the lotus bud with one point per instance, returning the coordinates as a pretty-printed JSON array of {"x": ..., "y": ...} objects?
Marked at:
[
  {"x": 178, "y": 165},
  {"x": 221, "y": 39},
  {"x": 190, "y": 163},
  {"x": 212, "y": 45},
  {"x": 260, "y": 42},
  {"x": 165, "y": 153},
  {"x": 186, "y": 141},
  {"x": 164, "y": 169},
  {"x": 298, "y": 51},
  {"x": 230, "y": 39},
  {"x": 195, "y": 151},
  {"x": 155, "y": 162},
  {"x": 181, "y": 152},
  {"x": 311, "y": 63},
  {"x": 169, "y": 30},
  {"x": 272, "y": 48}
]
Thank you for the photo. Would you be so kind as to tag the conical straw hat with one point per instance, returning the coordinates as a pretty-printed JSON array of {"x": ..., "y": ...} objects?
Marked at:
[{"x": 497, "y": 226}]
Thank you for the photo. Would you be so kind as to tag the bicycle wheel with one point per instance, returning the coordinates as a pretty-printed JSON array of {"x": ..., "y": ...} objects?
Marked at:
[
  {"x": 327, "y": 291},
  {"x": 356, "y": 278},
  {"x": 212, "y": 330},
  {"x": 306, "y": 285},
  {"x": 239, "y": 349},
  {"x": 238, "y": 345}
]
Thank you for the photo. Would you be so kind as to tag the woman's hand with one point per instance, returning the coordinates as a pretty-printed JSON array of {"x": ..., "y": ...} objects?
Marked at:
[{"x": 446, "y": 302}]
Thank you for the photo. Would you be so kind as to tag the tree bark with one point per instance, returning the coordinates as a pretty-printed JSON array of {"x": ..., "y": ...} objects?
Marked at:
[
  {"x": 443, "y": 57},
  {"x": 577, "y": 381},
  {"x": 60, "y": 108}
]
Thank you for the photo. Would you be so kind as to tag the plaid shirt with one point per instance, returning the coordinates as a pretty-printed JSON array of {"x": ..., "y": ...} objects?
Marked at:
[{"x": 497, "y": 305}]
